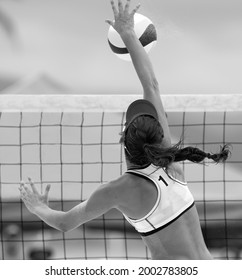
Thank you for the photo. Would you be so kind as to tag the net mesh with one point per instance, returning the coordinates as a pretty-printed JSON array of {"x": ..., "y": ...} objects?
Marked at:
[{"x": 77, "y": 151}]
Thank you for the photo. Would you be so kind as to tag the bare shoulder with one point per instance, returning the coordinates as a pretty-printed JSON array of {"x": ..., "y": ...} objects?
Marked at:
[
  {"x": 124, "y": 188},
  {"x": 120, "y": 184},
  {"x": 108, "y": 195},
  {"x": 175, "y": 170},
  {"x": 117, "y": 186}
]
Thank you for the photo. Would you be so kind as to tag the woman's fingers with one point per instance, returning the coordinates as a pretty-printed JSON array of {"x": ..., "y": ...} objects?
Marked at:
[
  {"x": 126, "y": 8},
  {"x": 21, "y": 185},
  {"x": 47, "y": 189},
  {"x": 110, "y": 22},
  {"x": 120, "y": 6},
  {"x": 25, "y": 190},
  {"x": 115, "y": 11},
  {"x": 122, "y": 10},
  {"x": 32, "y": 186},
  {"x": 21, "y": 189},
  {"x": 135, "y": 9}
]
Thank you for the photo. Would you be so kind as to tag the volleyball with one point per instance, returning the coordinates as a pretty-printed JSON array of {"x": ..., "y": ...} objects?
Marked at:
[{"x": 145, "y": 31}]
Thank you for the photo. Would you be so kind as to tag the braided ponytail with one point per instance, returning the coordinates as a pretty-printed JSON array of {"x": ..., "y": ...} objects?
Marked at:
[
  {"x": 196, "y": 155},
  {"x": 163, "y": 157}
]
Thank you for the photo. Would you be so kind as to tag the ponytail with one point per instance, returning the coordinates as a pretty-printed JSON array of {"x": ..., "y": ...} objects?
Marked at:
[
  {"x": 196, "y": 155},
  {"x": 163, "y": 157}
]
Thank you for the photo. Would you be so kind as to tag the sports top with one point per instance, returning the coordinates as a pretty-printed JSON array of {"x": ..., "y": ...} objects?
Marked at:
[{"x": 174, "y": 199}]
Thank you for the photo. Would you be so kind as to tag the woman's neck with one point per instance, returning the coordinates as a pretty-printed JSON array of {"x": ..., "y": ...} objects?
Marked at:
[{"x": 135, "y": 166}]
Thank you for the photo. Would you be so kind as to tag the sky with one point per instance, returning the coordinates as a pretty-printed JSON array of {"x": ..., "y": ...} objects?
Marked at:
[{"x": 199, "y": 47}]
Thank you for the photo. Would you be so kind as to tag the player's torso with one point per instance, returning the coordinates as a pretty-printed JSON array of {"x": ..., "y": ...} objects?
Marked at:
[{"x": 172, "y": 222}]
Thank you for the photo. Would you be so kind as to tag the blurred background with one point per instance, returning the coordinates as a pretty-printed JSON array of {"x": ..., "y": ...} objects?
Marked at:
[{"x": 60, "y": 46}]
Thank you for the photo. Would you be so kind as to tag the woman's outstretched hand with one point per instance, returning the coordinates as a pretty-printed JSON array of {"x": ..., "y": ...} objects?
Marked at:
[
  {"x": 123, "y": 19},
  {"x": 31, "y": 197}
]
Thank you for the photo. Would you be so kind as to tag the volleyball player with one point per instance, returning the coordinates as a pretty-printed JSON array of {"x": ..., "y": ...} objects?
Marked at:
[{"x": 152, "y": 195}]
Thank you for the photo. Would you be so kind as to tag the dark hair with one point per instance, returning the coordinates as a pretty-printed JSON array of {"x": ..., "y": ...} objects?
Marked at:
[{"x": 143, "y": 145}]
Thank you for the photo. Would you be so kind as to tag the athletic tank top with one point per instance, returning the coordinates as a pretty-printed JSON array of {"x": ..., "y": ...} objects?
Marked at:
[{"x": 173, "y": 200}]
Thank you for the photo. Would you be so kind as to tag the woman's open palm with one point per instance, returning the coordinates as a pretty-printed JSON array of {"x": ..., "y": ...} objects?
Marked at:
[{"x": 31, "y": 197}]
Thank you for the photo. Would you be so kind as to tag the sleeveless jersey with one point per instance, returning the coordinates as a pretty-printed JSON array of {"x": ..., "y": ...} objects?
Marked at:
[{"x": 174, "y": 199}]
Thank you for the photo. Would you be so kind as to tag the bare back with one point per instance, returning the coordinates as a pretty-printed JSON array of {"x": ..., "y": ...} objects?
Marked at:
[{"x": 181, "y": 239}]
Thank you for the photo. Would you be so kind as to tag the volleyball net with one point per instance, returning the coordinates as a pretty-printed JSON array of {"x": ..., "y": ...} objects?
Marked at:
[{"x": 56, "y": 140}]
